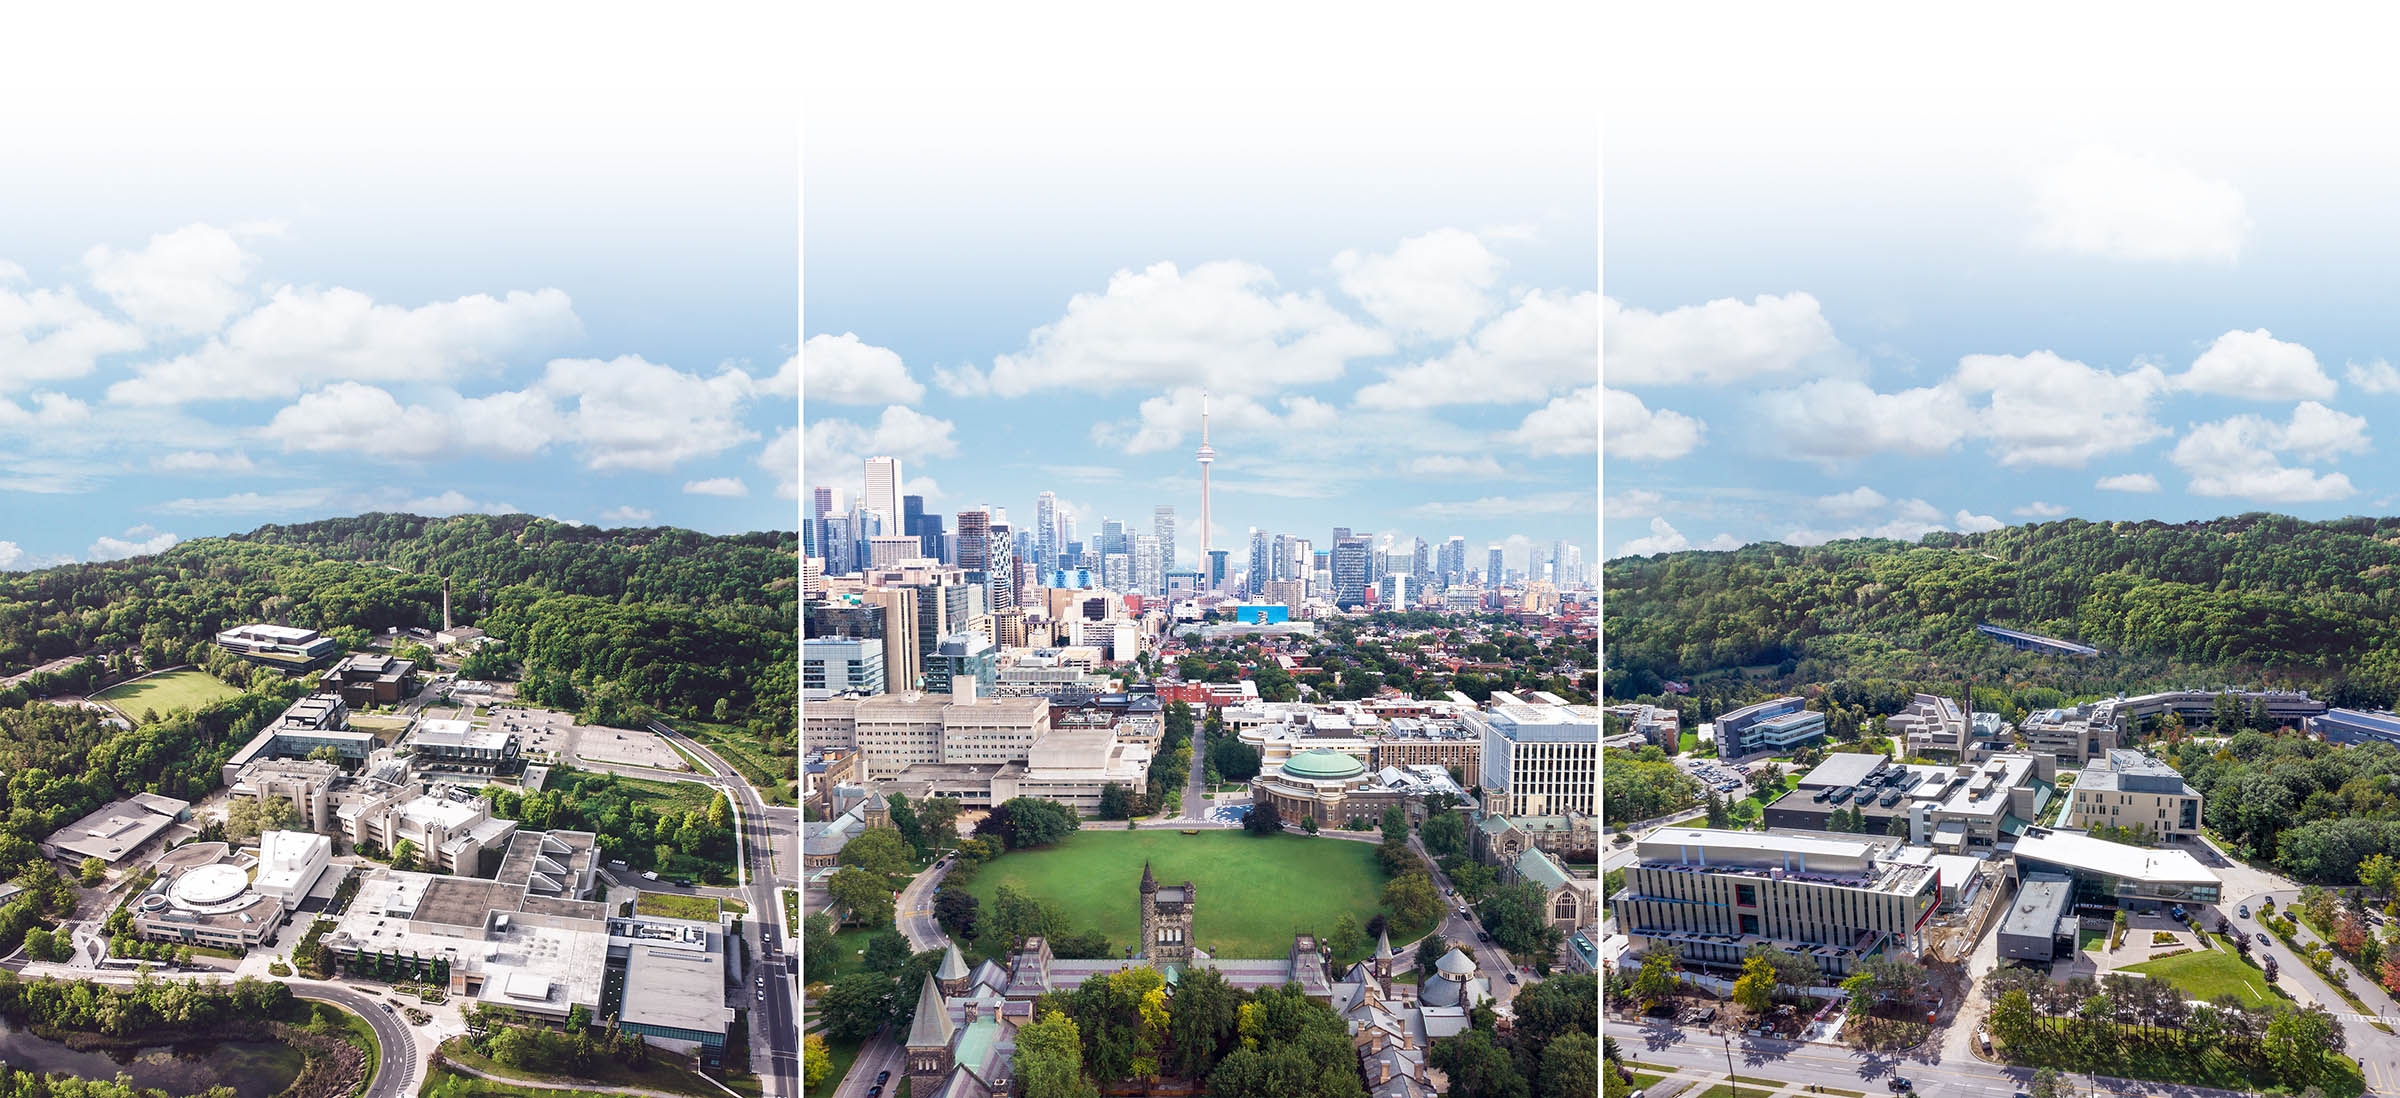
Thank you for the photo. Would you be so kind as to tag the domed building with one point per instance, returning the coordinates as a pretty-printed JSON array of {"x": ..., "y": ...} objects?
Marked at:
[{"x": 1334, "y": 788}]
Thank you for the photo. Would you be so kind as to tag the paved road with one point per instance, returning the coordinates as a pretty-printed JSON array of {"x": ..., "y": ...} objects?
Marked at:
[
  {"x": 1798, "y": 1063},
  {"x": 1195, "y": 792},
  {"x": 758, "y": 865},
  {"x": 1461, "y": 930},
  {"x": 914, "y": 913},
  {"x": 881, "y": 1053}
]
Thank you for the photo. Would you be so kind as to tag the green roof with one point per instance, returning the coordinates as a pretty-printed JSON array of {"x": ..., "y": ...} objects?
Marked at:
[
  {"x": 1536, "y": 866},
  {"x": 1322, "y": 765}
]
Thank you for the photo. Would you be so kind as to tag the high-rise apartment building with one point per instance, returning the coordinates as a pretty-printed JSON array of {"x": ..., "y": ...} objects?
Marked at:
[
  {"x": 1148, "y": 576},
  {"x": 1258, "y": 561},
  {"x": 1162, "y": 526},
  {"x": 1349, "y": 569},
  {"x": 1454, "y": 561},
  {"x": 1420, "y": 562},
  {"x": 883, "y": 490},
  {"x": 974, "y": 537},
  {"x": 1492, "y": 572},
  {"x": 1006, "y": 579},
  {"x": 912, "y": 517},
  {"x": 1045, "y": 531}
]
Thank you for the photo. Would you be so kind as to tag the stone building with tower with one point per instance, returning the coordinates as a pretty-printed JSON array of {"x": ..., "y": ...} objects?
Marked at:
[{"x": 1166, "y": 921}]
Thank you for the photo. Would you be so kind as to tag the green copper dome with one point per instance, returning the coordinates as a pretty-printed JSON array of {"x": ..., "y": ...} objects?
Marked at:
[{"x": 1323, "y": 766}]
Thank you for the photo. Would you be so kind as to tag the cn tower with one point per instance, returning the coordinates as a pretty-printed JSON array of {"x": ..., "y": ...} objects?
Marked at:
[{"x": 1206, "y": 456}]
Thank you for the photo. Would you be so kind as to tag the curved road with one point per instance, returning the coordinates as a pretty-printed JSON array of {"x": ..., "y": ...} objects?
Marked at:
[{"x": 395, "y": 1072}]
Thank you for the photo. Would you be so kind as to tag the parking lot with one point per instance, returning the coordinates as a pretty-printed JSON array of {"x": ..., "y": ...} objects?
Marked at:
[{"x": 548, "y": 732}]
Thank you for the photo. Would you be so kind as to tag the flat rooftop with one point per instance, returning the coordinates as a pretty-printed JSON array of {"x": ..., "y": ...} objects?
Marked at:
[
  {"x": 676, "y": 988},
  {"x": 2125, "y": 862}
]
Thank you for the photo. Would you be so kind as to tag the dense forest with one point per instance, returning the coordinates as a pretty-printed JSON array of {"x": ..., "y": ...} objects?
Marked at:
[{"x": 2256, "y": 598}]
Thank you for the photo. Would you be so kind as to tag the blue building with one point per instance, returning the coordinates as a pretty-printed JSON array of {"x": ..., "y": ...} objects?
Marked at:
[
  {"x": 966, "y": 654},
  {"x": 1776, "y": 724},
  {"x": 2357, "y": 726},
  {"x": 1076, "y": 578},
  {"x": 1262, "y": 613}
]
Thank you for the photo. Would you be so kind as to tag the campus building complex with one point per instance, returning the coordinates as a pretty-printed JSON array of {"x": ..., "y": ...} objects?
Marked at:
[
  {"x": 1962, "y": 808},
  {"x": 2131, "y": 789},
  {"x": 1834, "y": 899},
  {"x": 1778, "y": 724},
  {"x": 1538, "y": 759}
]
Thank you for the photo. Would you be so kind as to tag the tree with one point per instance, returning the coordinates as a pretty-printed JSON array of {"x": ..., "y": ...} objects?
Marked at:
[
  {"x": 1412, "y": 900},
  {"x": 1755, "y": 990},
  {"x": 1430, "y": 951},
  {"x": 1235, "y": 761},
  {"x": 1570, "y": 1067},
  {"x": 1514, "y": 915},
  {"x": 2048, "y": 1083},
  {"x": 939, "y": 815},
  {"x": 1860, "y": 988},
  {"x": 1656, "y": 981},
  {"x": 92, "y": 872},
  {"x": 956, "y": 910},
  {"x": 886, "y": 952},
  {"x": 1031, "y": 822},
  {"x": 867, "y": 896},
  {"x": 1264, "y": 819},
  {"x": 1474, "y": 880},
  {"x": 1116, "y": 801},
  {"x": 1200, "y": 1021},
  {"x": 1716, "y": 810},
  {"x": 905, "y": 823},
  {"x": 818, "y": 950},
  {"x": 1444, "y": 834},
  {"x": 1049, "y": 1059},
  {"x": 404, "y": 853},
  {"x": 1477, "y": 1065},
  {"x": 878, "y": 850},
  {"x": 1395, "y": 825},
  {"x": 1347, "y": 940},
  {"x": 815, "y": 1060},
  {"x": 1308, "y": 824},
  {"x": 857, "y": 1005}
]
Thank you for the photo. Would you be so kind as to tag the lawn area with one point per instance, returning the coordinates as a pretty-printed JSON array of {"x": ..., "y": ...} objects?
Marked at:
[
  {"x": 2170, "y": 1063},
  {"x": 791, "y": 913},
  {"x": 1254, "y": 892},
  {"x": 673, "y": 905},
  {"x": 2208, "y": 973},
  {"x": 445, "y": 1083},
  {"x": 2091, "y": 939},
  {"x": 775, "y": 775},
  {"x": 850, "y": 945},
  {"x": 665, "y": 1073},
  {"x": 175, "y": 689},
  {"x": 664, "y": 797},
  {"x": 1687, "y": 743}
]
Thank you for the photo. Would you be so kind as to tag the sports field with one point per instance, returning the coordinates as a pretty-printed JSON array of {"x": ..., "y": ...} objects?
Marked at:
[
  {"x": 1254, "y": 892},
  {"x": 163, "y": 693}
]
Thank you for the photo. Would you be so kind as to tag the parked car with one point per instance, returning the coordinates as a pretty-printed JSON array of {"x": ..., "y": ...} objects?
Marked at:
[
  {"x": 883, "y": 1077},
  {"x": 1901, "y": 1084},
  {"x": 2243, "y": 911},
  {"x": 1483, "y": 937},
  {"x": 2262, "y": 937}
]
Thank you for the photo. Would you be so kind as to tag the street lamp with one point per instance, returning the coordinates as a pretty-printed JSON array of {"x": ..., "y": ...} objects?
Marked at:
[{"x": 1725, "y": 1034}]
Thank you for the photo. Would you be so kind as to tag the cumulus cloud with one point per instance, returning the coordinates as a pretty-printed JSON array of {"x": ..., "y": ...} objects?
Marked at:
[
  {"x": 1904, "y": 520},
  {"x": 250, "y": 503},
  {"x": 51, "y": 335},
  {"x": 1665, "y": 538},
  {"x": 781, "y": 459},
  {"x": 1632, "y": 430},
  {"x": 2127, "y": 482},
  {"x": 2376, "y": 377},
  {"x": 1545, "y": 343},
  {"x": 627, "y": 515},
  {"x": 844, "y": 369},
  {"x": 785, "y": 381},
  {"x": 1165, "y": 421},
  {"x": 455, "y": 502},
  {"x": 2242, "y": 456},
  {"x": 1219, "y": 326},
  {"x": 10, "y": 554},
  {"x": 716, "y": 486},
  {"x": 1435, "y": 285},
  {"x": 1970, "y": 523},
  {"x": 1836, "y": 419},
  {"x": 203, "y": 461},
  {"x": 1723, "y": 342},
  {"x": 303, "y": 336},
  {"x": 49, "y": 411},
  {"x": 1502, "y": 506},
  {"x": 140, "y": 541},
  {"x": 1563, "y": 426},
  {"x": 2039, "y": 509},
  {"x": 2257, "y": 366},
  {"x": 2042, "y": 409},
  {"x": 1856, "y": 501},
  {"x": 1444, "y": 466},
  {"x": 2136, "y": 207},
  {"x": 351, "y": 417},
  {"x": 1631, "y": 502},
  {"x": 185, "y": 282}
]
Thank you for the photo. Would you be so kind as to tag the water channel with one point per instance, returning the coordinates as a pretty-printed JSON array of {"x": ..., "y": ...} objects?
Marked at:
[{"x": 249, "y": 1067}]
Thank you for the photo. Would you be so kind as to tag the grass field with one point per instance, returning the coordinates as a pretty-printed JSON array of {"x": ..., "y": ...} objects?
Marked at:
[
  {"x": 175, "y": 689},
  {"x": 673, "y": 905},
  {"x": 663, "y": 1074},
  {"x": 663, "y": 797},
  {"x": 1253, "y": 892},
  {"x": 776, "y": 776},
  {"x": 2208, "y": 973},
  {"x": 850, "y": 944},
  {"x": 445, "y": 1083}
]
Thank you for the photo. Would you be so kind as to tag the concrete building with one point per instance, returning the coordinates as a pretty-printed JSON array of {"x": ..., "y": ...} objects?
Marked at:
[
  {"x": 2130, "y": 789},
  {"x": 1834, "y": 899},
  {"x": 1333, "y": 788},
  {"x": 205, "y": 895},
  {"x": 2116, "y": 874},
  {"x": 453, "y": 829},
  {"x": 1538, "y": 759},
  {"x": 1954, "y": 809},
  {"x": 2039, "y": 926},
  {"x": 675, "y": 973},
  {"x": 117, "y": 829},
  {"x": 1733, "y": 728},
  {"x": 840, "y": 665},
  {"x": 371, "y": 678},
  {"x": 2091, "y": 730},
  {"x": 277, "y": 645},
  {"x": 962, "y": 655},
  {"x": 479, "y": 940},
  {"x": 1444, "y": 744},
  {"x": 2356, "y": 726},
  {"x": 460, "y": 746},
  {"x": 308, "y": 784},
  {"x": 896, "y": 731}
]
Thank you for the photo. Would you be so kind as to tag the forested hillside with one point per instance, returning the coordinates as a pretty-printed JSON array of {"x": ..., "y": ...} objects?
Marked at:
[
  {"x": 623, "y": 620},
  {"x": 2254, "y": 598}
]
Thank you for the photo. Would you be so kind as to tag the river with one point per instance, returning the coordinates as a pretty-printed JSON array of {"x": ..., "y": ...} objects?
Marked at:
[{"x": 249, "y": 1067}]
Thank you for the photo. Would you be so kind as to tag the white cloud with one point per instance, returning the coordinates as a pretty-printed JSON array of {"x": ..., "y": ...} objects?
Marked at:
[
  {"x": 2137, "y": 207},
  {"x": 716, "y": 486},
  {"x": 1563, "y": 426},
  {"x": 1857, "y": 501},
  {"x": 785, "y": 381},
  {"x": 1453, "y": 465},
  {"x": 1543, "y": 344},
  {"x": 627, "y": 514},
  {"x": 2127, "y": 482},
  {"x": 1632, "y": 430},
  {"x": 2374, "y": 377},
  {"x": 2257, "y": 366},
  {"x": 1502, "y": 506},
  {"x": 1722, "y": 342},
  {"x": 10, "y": 554},
  {"x": 250, "y": 503},
  {"x": 1629, "y": 503},
  {"x": 151, "y": 541},
  {"x": 1907, "y": 520},
  {"x": 2241, "y": 456},
  {"x": 1435, "y": 285},
  {"x": 780, "y": 457},
  {"x": 2048, "y": 410},
  {"x": 1219, "y": 326},
  {"x": 455, "y": 502},
  {"x": 1969, "y": 523},
  {"x": 2039, "y": 509},
  {"x": 203, "y": 461},
  {"x": 845, "y": 370},
  {"x": 1163, "y": 422},
  {"x": 50, "y": 411},
  {"x": 1835, "y": 419},
  {"x": 185, "y": 282},
  {"x": 303, "y": 336},
  {"x": 838, "y": 448},
  {"x": 51, "y": 335},
  {"x": 621, "y": 413},
  {"x": 1665, "y": 538}
]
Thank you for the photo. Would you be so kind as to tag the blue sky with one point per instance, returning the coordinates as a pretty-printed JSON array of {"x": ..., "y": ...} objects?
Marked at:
[
  {"x": 2130, "y": 290},
  {"x": 231, "y": 310},
  {"x": 1026, "y": 291}
]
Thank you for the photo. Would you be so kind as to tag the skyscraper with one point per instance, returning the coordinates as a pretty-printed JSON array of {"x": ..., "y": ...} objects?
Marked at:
[
  {"x": 1207, "y": 457},
  {"x": 1420, "y": 563},
  {"x": 912, "y": 515},
  {"x": 1454, "y": 561},
  {"x": 974, "y": 532},
  {"x": 1162, "y": 525},
  {"x": 1148, "y": 577},
  {"x": 1349, "y": 568},
  {"x": 1491, "y": 571},
  {"x": 1045, "y": 531},
  {"x": 822, "y": 503},
  {"x": 1000, "y": 550},
  {"x": 1258, "y": 561},
  {"x": 883, "y": 490}
]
